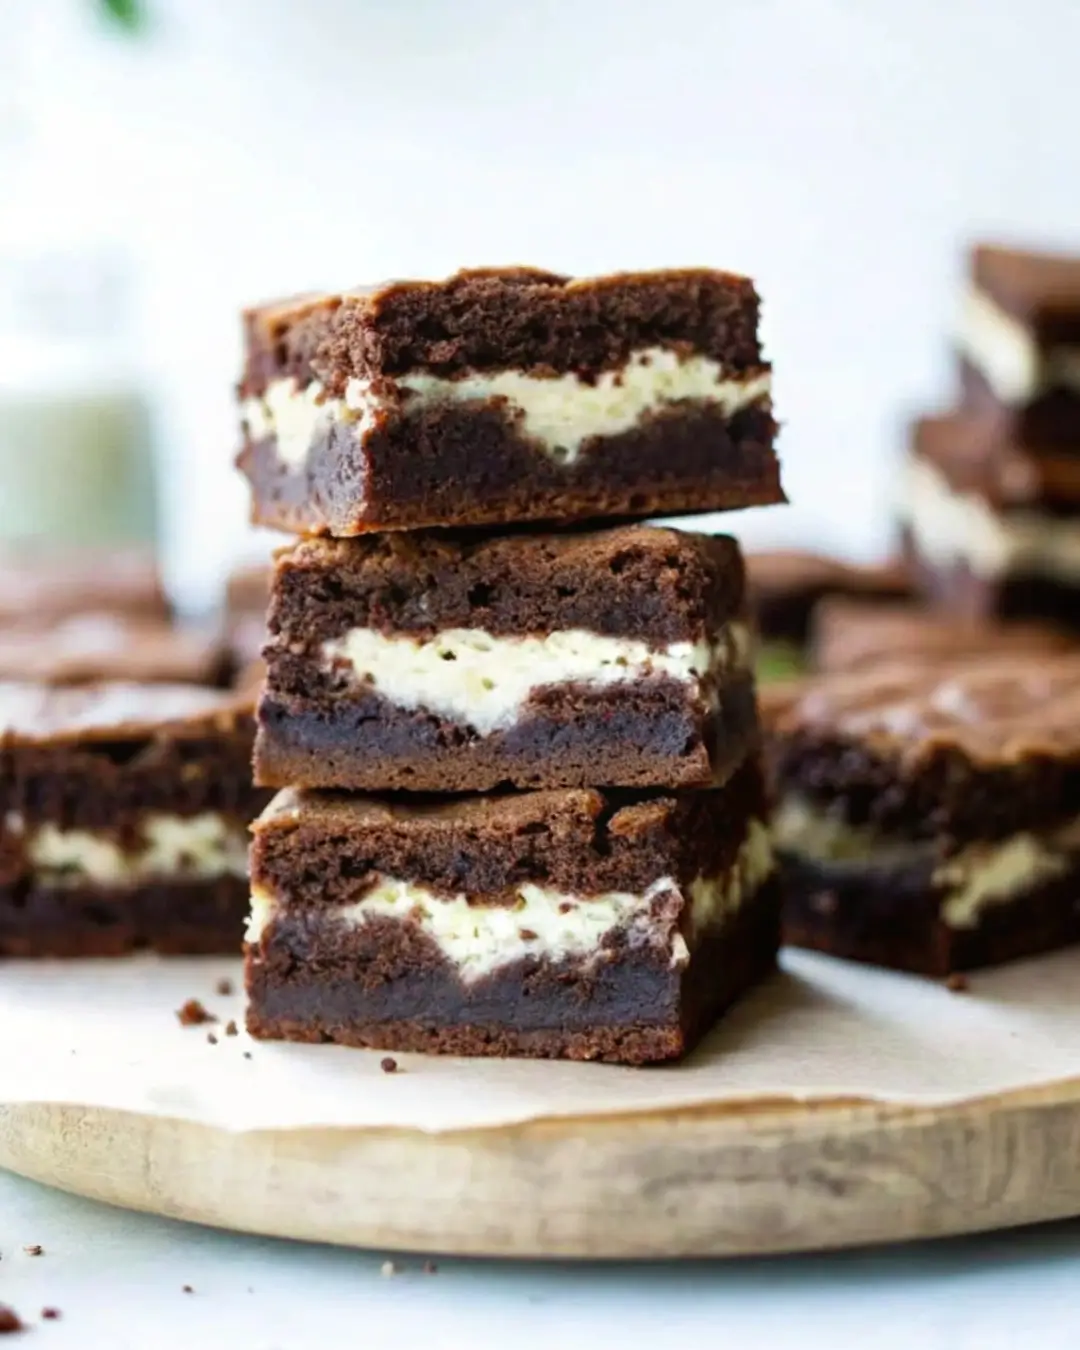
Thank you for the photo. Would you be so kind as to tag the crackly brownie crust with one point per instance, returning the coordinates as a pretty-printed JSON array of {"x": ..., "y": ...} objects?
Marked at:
[
  {"x": 850, "y": 635},
  {"x": 407, "y": 462},
  {"x": 387, "y": 982},
  {"x": 92, "y": 647},
  {"x": 321, "y": 726},
  {"x": 40, "y": 583},
  {"x": 971, "y": 750},
  {"x": 496, "y": 318}
]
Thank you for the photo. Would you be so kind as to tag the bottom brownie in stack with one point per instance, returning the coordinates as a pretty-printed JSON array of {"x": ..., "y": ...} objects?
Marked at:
[
  {"x": 929, "y": 816},
  {"x": 123, "y": 819},
  {"x": 564, "y": 923}
]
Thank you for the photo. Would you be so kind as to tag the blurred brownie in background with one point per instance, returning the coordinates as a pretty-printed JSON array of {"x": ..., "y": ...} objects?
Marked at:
[
  {"x": 991, "y": 531},
  {"x": 40, "y": 583},
  {"x": 857, "y": 634},
  {"x": 786, "y": 584},
  {"x": 247, "y": 597},
  {"x": 85, "y": 648},
  {"x": 1019, "y": 344}
]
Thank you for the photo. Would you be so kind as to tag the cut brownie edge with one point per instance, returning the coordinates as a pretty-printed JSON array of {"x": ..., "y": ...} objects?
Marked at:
[
  {"x": 657, "y": 733},
  {"x": 173, "y": 916},
  {"x": 472, "y": 466},
  {"x": 622, "y": 1011}
]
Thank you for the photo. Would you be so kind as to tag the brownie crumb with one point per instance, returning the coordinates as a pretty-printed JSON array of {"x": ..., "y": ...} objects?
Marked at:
[
  {"x": 388, "y": 1064},
  {"x": 231, "y": 1028},
  {"x": 187, "y": 1289},
  {"x": 10, "y": 1320},
  {"x": 211, "y": 1038},
  {"x": 430, "y": 1268},
  {"x": 957, "y": 983},
  {"x": 51, "y": 1314},
  {"x": 224, "y": 988},
  {"x": 387, "y": 1269},
  {"x": 34, "y": 1249},
  {"x": 247, "y": 1054},
  {"x": 193, "y": 1014}
]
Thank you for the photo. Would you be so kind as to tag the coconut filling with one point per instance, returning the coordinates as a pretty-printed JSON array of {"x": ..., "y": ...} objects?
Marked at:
[
  {"x": 200, "y": 847},
  {"x": 558, "y": 413},
  {"x": 546, "y": 924},
  {"x": 469, "y": 676},
  {"x": 978, "y": 876}
]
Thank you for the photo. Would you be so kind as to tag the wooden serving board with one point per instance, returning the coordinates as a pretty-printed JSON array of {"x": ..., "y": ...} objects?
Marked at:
[{"x": 727, "y": 1180}]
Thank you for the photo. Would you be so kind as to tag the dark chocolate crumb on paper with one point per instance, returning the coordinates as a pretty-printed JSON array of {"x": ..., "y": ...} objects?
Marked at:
[{"x": 193, "y": 1014}]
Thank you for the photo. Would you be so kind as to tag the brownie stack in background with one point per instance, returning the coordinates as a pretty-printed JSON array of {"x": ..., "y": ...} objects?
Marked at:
[
  {"x": 991, "y": 491},
  {"x": 520, "y": 806}
]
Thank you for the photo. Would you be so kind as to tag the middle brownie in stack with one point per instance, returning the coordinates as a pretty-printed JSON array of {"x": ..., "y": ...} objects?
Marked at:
[{"x": 619, "y": 904}]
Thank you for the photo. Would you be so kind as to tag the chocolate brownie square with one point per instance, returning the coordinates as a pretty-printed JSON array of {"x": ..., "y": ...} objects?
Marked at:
[
  {"x": 123, "y": 819},
  {"x": 928, "y": 817},
  {"x": 41, "y": 583},
  {"x": 785, "y": 585},
  {"x": 89, "y": 648},
  {"x": 573, "y": 924},
  {"x": 852, "y": 635},
  {"x": 507, "y": 395},
  {"x": 1019, "y": 343},
  {"x": 445, "y": 662},
  {"x": 990, "y": 539}
]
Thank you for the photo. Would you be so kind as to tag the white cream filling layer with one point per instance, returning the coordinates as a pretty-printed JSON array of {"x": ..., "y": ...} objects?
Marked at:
[
  {"x": 469, "y": 676},
  {"x": 1006, "y": 353},
  {"x": 558, "y": 412},
  {"x": 977, "y": 877},
  {"x": 546, "y": 923},
  {"x": 949, "y": 527},
  {"x": 200, "y": 847}
]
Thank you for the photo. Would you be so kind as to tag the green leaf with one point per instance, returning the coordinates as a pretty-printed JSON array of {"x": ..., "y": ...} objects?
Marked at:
[
  {"x": 127, "y": 14},
  {"x": 779, "y": 661}
]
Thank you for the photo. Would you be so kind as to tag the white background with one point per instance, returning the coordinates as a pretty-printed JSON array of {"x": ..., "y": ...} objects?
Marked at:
[{"x": 840, "y": 151}]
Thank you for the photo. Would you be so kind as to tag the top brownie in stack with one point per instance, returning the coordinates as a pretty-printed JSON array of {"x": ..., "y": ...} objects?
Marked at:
[
  {"x": 1019, "y": 341},
  {"x": 447, "y": 662},
  {"x": 507, "y": 395}
]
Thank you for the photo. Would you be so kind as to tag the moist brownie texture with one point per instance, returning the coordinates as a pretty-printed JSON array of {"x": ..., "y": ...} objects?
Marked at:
[
  {"x": 1019, "y": 343},
  {"x": 123, "y": 819},
  {"x": 854, "y": 635},
  {"x": 929, "y": 816},
  {"x": 40, "y": 584},
  {"x": 445, "y": 662},
  {"x": 982, "y": 552},
  {"x": 570, "y": 923},
  {"x": 92, "y": 647},
  {"x": 507, "y": 395}
]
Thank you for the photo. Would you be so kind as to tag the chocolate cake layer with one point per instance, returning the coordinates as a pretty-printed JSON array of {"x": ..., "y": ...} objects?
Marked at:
[
  {"x": 117, "y": 800},
  {"x": 513, "y": 395},
  {"x": 574, "y": 923},
  {"x": 1019, "y": 339},
  {"x": 96, "y": 646},
  {"x": 443, "y": 662},
  {"x": 927, "y": 813},
  {"x": 41, "y": 583},
  {"x": 855, "y": 635}
]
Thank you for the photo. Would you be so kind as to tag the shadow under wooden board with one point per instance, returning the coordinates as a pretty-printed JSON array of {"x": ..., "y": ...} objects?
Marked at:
[{"x": 752, "y": 1178}]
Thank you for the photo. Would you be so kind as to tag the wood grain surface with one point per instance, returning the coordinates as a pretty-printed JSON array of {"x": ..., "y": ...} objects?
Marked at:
[{"x": 770, "y": 1177}]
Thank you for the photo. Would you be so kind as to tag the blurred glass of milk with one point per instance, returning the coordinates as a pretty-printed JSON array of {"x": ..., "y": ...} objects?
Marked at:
[{"x": 75, "y": 455}]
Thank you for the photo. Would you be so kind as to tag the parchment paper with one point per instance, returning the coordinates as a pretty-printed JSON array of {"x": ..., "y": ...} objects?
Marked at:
[{"x": 105, "y": 1033}]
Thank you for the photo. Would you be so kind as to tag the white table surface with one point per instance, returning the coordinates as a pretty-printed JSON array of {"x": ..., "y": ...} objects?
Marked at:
[{"x": 118, "y": 1280}]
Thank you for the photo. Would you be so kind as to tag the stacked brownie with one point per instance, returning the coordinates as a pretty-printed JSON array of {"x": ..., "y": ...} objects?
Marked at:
[
  {"x": 991, "y": 511},
  {"x": 521, "y": 808}
]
